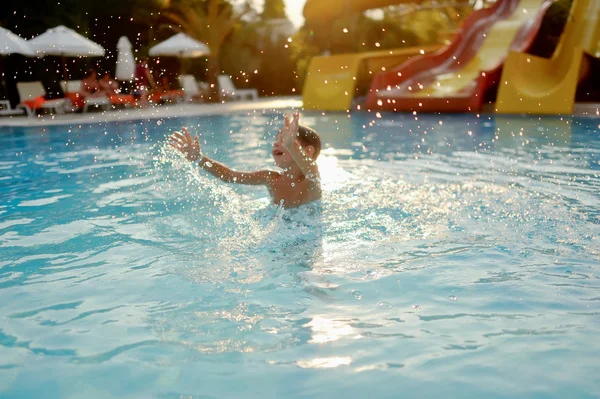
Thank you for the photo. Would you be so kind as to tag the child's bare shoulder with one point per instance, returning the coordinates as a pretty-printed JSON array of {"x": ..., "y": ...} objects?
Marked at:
[{"x": 270, "y": 175}]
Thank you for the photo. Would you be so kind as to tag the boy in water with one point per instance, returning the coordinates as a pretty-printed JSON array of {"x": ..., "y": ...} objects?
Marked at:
[{"x": 295, "y": 151}]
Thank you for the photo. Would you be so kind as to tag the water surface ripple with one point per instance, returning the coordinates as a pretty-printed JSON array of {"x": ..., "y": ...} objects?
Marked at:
[{"x": 451, "y": 256}]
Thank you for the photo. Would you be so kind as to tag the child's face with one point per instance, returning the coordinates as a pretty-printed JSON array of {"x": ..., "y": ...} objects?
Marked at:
[{"x": 281, "y": 155}]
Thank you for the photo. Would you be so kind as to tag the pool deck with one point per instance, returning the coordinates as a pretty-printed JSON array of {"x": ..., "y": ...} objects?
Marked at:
[
  {"x": 190, "y": 110},
  {"x": 153, "y": 112},
  {"x": 586, "y": 109}
]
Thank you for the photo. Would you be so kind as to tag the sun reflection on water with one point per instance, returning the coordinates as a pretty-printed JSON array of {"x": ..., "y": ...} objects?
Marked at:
[
  {"x": 324, "y": 362},
  {"x": 325, "y": 330}
]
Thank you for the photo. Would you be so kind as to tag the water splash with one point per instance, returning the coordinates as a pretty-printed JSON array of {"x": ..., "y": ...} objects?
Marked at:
[{"x": 231, "y": 228}]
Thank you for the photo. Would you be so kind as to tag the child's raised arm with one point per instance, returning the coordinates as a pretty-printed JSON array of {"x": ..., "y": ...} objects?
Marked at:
[
  {"x": 290, "y": 141},
  {"x": 189, "y": 147}
]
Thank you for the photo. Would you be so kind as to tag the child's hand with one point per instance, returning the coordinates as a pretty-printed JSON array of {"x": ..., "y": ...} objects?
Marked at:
[
  {"x": 184, "y": 143},
  {"x": 289, "y": 133}
]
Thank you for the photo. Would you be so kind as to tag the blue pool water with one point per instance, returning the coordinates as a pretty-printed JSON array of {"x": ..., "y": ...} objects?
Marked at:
[{"x": 454, "y": 256}]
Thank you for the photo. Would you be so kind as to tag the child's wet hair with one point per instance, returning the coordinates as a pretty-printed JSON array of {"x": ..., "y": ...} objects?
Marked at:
[{"x": 308, "y": 136}]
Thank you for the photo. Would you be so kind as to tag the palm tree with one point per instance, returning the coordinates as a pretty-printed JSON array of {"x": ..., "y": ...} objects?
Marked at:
[{"x": 211, "y": 23}]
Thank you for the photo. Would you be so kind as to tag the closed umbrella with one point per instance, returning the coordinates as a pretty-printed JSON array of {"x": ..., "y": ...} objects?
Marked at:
[
  {"x": 64, "y": 42},
  {"x": 125, "y": 63},
  {"x": 182, "y": 46}
]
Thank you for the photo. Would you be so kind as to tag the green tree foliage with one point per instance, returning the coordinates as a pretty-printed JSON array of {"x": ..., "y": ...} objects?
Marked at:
[
  {"x": 209, "y": 21},
  {"x": 254, "y": 59},
  {"x": 240, "y": 57},
  {"x": 277, "y": 73},
  {"x": 273, "y": 9},
  {"x": 430, "y": 26}
]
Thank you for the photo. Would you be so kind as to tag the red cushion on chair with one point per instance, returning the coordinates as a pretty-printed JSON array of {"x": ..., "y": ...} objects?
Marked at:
[
  {"x": 175, "y": 93},
  {"x": 76, "y": 99},
  {"x": 35, "y": 103},
  {"x": 155, "y": 97},
  {"x": 121, "y": 99}
]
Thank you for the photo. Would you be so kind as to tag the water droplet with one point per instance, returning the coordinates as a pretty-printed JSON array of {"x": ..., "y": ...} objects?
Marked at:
[
  {"x": 356, "y": 294},
  {"x": 385, "y": 305},
  {"x": 452, "y": 297},
  {"x": 417, "y": 307}
]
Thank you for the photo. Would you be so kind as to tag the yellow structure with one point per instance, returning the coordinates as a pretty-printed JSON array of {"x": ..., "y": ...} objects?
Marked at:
[
  {"x": 494, "y": 48},
  {"x": 537, "y": 85},
  {"x": 332, "y": 81}
]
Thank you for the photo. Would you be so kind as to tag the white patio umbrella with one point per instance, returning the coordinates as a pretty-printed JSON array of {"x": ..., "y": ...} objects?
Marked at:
[
  {"x": 12, "y": 44},
  {"x": 125, "y": 62},
  {"x": 182, "y": 46},
  {"x": 64, "y": 42}
]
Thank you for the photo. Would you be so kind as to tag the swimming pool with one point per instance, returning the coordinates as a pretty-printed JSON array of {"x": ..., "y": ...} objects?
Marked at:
[{"x": 454, "y": 256}]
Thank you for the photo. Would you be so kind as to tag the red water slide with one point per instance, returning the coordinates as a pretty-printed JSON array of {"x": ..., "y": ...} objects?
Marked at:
[{"x": 405, "y": 87}]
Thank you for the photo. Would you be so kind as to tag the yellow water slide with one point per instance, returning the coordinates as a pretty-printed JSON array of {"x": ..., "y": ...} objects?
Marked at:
[
  {"x": 332, "y": 81},
  {"x": 535, "y": 85},
  {"x": 491, "y": 53}
]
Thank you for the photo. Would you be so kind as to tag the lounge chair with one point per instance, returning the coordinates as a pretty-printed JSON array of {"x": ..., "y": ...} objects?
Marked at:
[
  {"x": 192, "y": 91},
  {"x": 32, "y": 98},
  {"x": 73, "y": 94},
  {"x": 227, "y": 91},
  {"x": 127, "y": 100},
  {"x": 162, "y": 94},
  {"x": 72, "y": 90},
  {"x": 169, "y": 96},
  {"x": 7, "y": 110}
]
